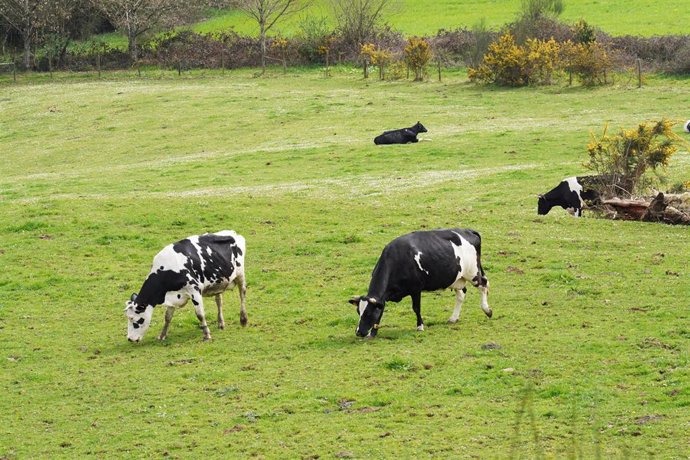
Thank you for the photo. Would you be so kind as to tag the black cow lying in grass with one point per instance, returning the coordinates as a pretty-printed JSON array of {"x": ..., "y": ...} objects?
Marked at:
[{"x": 400, "y": 136}]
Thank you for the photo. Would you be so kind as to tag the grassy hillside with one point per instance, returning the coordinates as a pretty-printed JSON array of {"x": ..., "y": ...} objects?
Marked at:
[
  {"x": 587, "y": 353},
  {"x": 413, "y": 17}
]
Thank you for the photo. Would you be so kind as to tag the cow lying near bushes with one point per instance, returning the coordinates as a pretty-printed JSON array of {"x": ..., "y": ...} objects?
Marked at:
[{"x": 400, "y": 136}]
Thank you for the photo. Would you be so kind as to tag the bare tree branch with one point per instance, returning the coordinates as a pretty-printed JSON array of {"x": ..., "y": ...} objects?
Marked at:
[
  {"x": 138, "y": 17},
  {"x": 267, "y": 13}
]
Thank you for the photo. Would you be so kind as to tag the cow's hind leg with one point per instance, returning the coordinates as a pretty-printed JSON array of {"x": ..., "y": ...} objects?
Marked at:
[
  {"x": 482, "y": 284},
  {"x": 243, "y": 294},
  {"x": 460, "y": 292},
  {"x": 198, "y": 302},
  {"x": 221, "y": 320},
  {"x": 168, "y": 318},
  {"x": 417, "y": 307}
]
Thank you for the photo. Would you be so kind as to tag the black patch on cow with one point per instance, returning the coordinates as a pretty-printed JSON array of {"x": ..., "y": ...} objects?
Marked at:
[
  {"x": 157, "y": 284},
  {"x": 400, "y": 136}
]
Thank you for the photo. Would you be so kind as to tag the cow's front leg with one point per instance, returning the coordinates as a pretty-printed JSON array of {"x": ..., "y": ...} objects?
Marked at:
[
  {"x": 221, "y": 320},
  {"x": 198, "y": 302},
  {"x": 459, "y": 299},
  {"x": 417, "y": 307},
  {"x": 243, "y": 294},
  {"x": 168, "y": 318}
]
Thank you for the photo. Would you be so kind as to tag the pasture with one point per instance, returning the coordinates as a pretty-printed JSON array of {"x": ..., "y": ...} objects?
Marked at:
[
  {"x": 586, "y": 355},
  {"x": 412, "y": 17}
]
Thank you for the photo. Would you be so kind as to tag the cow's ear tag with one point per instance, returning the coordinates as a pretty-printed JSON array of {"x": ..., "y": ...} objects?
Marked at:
[{"x": 376, "y": 326}]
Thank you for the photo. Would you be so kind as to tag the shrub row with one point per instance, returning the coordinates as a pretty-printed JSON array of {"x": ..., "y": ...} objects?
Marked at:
[{"x": 458, "y": 47}]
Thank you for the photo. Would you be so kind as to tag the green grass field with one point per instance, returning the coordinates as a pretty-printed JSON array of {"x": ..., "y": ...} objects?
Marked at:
[
  {"x": 586, "y": 356},
  {"x": 414, "y": 17}
]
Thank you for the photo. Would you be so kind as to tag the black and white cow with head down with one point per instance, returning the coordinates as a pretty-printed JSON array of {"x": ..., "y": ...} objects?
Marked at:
[
  {"x": 197, "y": 266},
  {"x": 423, "y": 261},
  {"x": 570, "y": 195}
]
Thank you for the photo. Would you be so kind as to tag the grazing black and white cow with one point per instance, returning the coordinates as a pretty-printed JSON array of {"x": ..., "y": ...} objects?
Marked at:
[
  {"x": 686, "y": 126},
  {"x": 570, "y": 194},
  {"x": 201, "y": 265},
  {"x": 423, "y": 261},
  {"x": 400, "y": 136}
]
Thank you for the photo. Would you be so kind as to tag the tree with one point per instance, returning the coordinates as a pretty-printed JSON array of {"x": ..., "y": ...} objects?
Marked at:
[
  {"x": 137, "y": 17},
  {"x": 267, "y": 13},
  {"x": 358, "y": 20},
  {"x": 36, "y": 19},
  {"x": 25, "y": 17}
]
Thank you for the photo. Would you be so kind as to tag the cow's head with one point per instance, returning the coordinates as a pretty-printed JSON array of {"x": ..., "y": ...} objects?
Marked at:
[
  {"x": 420, "y": 128},
  {"x": 370, "y": 311},
  {"x": 543, "y": 206},
  {"x": 138, "y": 319}
]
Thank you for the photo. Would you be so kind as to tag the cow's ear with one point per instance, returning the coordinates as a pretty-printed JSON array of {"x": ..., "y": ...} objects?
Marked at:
[
  {"x": 133, "y": 297},
  {"x": 355, "y": 300},
  {"x": 540, "y": 196}
]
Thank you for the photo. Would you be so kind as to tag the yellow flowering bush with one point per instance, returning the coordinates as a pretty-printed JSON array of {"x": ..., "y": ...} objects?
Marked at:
[
  {"x": 417, "y": 56},
  {"x": 624, "y": 158},
  {"x": 588, "y": 61}
]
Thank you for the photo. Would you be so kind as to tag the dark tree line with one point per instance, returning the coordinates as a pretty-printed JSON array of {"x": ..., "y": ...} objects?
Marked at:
[{"x": 28, "y": 24}]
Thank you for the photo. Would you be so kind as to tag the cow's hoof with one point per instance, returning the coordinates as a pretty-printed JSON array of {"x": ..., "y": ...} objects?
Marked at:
[
  {"x": 420, "y": 328},
  {"x": 243, "y": 322},
  {"x": 489, "y": 313},
  {"x": 207, "y": 339},
  {"x": 452, "y": 320},
  {"x": 221, "y": 325},
  {"x": 161, "y": 337}
]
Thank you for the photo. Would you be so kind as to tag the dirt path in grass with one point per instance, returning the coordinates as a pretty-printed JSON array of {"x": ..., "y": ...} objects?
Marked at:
[{"x": 350, "y": 186}]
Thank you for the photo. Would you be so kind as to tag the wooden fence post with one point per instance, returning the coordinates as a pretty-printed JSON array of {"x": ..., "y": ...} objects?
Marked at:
[{"x": 639, "y": 73}]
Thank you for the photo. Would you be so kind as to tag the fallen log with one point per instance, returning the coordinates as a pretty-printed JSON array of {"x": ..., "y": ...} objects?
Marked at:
[{"x": 654, "y": 210}]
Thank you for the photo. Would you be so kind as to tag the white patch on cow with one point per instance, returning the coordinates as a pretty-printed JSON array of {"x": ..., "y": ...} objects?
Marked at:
[
  {"x": 467, "y": 268},
  {"x": 209, "y": 251},
  {"x": 176, "y": 299},
  {"x": 168, "y": 260},
  {"x": 575, "y": 187},
  {"x": 573, "y": 184},
  {"x": 362, "y": 305},
  {"x": 418, "y": 259}
]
